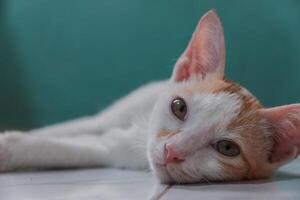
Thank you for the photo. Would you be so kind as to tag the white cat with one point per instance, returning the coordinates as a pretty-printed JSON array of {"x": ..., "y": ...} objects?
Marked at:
[{"x": 196, "y": 127}]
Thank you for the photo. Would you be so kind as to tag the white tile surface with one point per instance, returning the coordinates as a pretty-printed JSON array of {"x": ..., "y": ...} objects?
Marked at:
[
  {"x": 82, "y": 184},
  {"x": 89, "y": 184}
]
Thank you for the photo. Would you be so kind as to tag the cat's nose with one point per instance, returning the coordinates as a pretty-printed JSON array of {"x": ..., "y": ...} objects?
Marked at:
[{"x": 172, "y": 156}]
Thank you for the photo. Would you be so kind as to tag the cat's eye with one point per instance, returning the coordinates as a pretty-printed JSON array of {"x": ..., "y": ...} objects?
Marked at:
[
  {"x": 179, "y": 108},
  {"x": 227, "y": 148}
]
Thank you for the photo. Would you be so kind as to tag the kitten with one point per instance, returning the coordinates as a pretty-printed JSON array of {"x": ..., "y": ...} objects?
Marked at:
[{"x": 198, "y": 126}]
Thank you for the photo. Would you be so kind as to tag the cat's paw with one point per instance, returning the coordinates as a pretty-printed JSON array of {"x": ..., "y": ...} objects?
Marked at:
[{"x": 7, "y": 144}]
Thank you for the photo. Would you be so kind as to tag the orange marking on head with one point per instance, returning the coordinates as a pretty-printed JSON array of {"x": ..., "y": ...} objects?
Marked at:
[
  {"x": 252, "y": 133},
  {"x": 250, "y": 128}
]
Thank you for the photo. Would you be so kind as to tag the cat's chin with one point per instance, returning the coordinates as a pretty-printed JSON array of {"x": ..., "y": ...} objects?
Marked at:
[
  {"x": 165, "y": 175},
  {"x": 162, "y": 174}
]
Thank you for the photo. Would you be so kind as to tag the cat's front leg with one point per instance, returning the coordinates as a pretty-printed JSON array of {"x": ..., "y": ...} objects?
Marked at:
[
  {"x": 20, "y": 151},
  {"x": 116, "y": 148}
]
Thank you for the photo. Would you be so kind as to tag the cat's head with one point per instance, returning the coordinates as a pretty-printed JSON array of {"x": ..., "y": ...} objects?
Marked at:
[{"x": 206, "y": 128}]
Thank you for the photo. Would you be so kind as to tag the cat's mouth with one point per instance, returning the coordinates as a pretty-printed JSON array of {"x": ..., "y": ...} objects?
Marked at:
[
  {"x": 173, "y": 172},
  {"x": 163, "y": 174},
  {"x": 165, "y": 164}
]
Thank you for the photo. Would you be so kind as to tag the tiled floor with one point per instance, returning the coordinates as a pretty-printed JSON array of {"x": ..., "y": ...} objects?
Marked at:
[{"x": 113, "y": 184}]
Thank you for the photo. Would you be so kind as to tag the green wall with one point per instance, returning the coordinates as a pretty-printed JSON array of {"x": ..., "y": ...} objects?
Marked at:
[{"x": 63, "y": 59}]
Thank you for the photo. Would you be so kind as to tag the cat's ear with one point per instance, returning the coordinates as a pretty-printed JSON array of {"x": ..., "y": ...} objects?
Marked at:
[
  {"x": 285, "y": 132},
  {"x": 205, "y": 52}
]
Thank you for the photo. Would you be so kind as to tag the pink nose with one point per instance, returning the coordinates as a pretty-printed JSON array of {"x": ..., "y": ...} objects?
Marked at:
[{"x": 172, "y": 156}]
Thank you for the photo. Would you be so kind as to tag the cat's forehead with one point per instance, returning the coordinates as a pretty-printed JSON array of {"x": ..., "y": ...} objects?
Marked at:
[
  {"x": 224, "y": 93},
  {"x": 215, "y": 86}
]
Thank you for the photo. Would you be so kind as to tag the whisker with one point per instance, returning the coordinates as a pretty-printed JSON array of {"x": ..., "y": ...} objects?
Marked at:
[{"x": 186, "y": 175}]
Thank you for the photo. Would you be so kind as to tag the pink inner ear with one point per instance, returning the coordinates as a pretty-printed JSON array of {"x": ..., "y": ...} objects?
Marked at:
[
  {"x": 205, "y": 52},
  {"x": 285, "y": 121},
  {"x": 285, "y": 149}
]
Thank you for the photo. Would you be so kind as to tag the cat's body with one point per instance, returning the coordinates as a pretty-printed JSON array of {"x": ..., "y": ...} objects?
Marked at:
[
  {"x": 124, "y": 123},
  {"x": 198, "y": 126}
]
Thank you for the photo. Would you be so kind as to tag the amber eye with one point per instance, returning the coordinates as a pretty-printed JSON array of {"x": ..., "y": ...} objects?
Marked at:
[
  {"x": 179, "y": 108},
  {"x": 227, "y": 148}
]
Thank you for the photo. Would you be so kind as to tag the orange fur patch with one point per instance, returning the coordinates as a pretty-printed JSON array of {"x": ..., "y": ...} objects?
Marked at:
[
  {"x": 250, "y": 127},
  {"x": 252, "y": 133}
]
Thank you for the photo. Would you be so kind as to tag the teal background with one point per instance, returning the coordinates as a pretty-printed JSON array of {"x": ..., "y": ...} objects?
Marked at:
[{"x": 63, "y": 59}]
